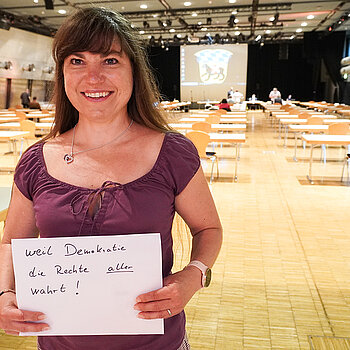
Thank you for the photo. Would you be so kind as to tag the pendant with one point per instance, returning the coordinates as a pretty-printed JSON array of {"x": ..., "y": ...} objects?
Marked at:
[{"x": 68, "y": 158}]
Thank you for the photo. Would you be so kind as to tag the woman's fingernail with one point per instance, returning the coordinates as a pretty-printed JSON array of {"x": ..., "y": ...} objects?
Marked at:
[
  {"x": 46, "y": 329},
  {"x": 41, "y": 317},
  {"x": 138, "y": 300},
  {"x": 140, "y": 316}
]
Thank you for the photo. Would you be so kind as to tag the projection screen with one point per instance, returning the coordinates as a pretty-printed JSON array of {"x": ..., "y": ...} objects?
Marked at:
[{"x": 208, "y": 72}]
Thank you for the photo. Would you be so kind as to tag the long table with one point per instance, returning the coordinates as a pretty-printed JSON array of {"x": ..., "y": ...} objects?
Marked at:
[
  {"x": 222, "y": 120},
  {"x": 12, "y": 136},
  {"x": 316, "y": 140},
  {"x": 236, "y": 139},
  {"x": 326, "y": 120},
  {"x": 315, "y": 129},
  {"x": 214, "y": 127},
  {"x": 17, "y": 126}
]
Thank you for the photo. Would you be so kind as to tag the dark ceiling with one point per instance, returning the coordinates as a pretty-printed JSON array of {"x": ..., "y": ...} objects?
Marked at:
[{"x": 176, "y": 22}]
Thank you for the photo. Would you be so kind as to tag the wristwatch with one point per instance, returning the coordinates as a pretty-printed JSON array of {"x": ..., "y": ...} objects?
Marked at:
[{"x": 205, "y": 270}]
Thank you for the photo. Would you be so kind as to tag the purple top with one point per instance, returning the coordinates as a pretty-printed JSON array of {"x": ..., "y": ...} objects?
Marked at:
[{"x": 146, "y": 204}]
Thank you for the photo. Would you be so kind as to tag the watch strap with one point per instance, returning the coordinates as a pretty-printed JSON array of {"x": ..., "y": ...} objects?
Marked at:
[{"x": 202, "y": 267}]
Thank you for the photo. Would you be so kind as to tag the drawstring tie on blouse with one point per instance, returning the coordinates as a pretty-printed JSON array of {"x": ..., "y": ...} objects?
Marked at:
[{"x": 92, "y": 201}]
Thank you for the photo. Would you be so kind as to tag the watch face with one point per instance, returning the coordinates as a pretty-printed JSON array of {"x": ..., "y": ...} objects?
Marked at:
[{"x": 207, "y": 277}]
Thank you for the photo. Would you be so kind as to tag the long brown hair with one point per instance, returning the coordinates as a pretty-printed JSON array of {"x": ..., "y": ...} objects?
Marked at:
[{"x": 95, "y": 29}]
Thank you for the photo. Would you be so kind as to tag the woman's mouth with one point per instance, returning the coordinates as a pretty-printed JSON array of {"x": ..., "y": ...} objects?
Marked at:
[{"x": 96, "y": 96}]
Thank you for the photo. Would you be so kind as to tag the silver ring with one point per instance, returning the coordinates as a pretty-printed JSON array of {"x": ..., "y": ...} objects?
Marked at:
[{"x": 169, "y": 312}]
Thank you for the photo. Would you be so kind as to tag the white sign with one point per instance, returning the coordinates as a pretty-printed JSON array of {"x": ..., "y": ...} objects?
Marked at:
[{"x": 88, "y": 285}]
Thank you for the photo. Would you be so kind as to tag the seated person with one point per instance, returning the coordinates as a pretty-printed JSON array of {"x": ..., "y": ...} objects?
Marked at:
[
  {"x": 34, "y": 104},
  {"x": 224, "y": 105}
]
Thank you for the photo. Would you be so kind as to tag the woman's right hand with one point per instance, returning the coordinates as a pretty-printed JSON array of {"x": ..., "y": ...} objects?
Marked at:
[{"x": 14, "y": 320}]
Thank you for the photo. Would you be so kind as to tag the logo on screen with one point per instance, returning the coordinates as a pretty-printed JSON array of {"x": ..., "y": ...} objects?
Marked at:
[{"x": 213, "y": 65}]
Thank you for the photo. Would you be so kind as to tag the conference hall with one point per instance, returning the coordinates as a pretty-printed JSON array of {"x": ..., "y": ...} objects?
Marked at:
[{"x": 261, "y": 90}]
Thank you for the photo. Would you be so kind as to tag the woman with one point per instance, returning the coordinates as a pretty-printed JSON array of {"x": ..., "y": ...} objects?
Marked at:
[
  {"x": 224, "y": 105},
  {"x": 109, "y": 166}
]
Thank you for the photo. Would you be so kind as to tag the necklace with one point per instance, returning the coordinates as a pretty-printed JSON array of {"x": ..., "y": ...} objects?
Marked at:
[{"x": 69, "y": 157}]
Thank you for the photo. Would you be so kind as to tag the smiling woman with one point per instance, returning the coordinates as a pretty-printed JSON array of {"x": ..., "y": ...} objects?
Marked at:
[{"x": 110, "y": 166}]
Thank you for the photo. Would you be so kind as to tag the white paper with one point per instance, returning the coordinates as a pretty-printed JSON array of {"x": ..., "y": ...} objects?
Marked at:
[{"x": 88, "y": 285}]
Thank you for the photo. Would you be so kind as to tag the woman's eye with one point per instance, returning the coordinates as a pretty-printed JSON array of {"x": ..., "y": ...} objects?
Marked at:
[
  {"x": 76, "y": 61},
  {"x": 111, "y": 61}
]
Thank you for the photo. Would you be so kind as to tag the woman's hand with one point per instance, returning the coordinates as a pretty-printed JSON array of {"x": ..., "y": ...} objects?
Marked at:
[
  {"x": 177, "y": 291},
  {"x": 14, "y": 320}
]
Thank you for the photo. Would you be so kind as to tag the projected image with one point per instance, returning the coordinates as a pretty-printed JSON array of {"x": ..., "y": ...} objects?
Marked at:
[
  {"x": 209, "y": 72},
  {"x": 212, "y": 65}
]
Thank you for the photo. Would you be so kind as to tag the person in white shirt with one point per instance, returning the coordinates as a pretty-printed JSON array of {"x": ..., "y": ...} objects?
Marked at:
[
  {"x": 237, "y": 97},
  {"x": 274, "y": 95}
]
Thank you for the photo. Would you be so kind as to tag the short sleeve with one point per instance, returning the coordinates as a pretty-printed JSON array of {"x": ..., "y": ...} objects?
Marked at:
[
  {"x": 182, "y": 161},
  {"x": 27, "y": 170}
]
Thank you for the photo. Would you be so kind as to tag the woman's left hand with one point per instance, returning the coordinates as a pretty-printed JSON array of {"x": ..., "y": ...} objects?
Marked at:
[{"x": 177, "y": 291}]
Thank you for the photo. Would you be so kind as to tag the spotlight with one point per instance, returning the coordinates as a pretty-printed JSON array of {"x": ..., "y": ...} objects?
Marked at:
[
  {"x": 231, "y": 21},
  {"x": 5, "y": 24},
  {"x": 275, "y": 18},
  {"x": 48, "y": 70},
  {"x": 6, "y": 65},
  {"x": 48, "y": 4},
  {"x": 182, "y": 22},
  {"x": 29, "y": 68}
]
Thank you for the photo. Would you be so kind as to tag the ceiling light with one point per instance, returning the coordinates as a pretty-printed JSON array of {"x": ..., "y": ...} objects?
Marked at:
[
  {"x": 6, "y": 65},
  {"x": 62, "y": 12},
  {"x": 310, "y": 17},
  {"x": 143, "y": 6},
  {"x": 299, "y": 30},
  {"x": 187, "y": 3},
  {"x": 36, "y": 1},
  {"x": 271, "y": 19},
  {"x": 268, "y": 31},
  {"x": 237, "y": 32},
  {"x": 142, "y": 32},
  {"x": 234, "y": 12},
  {"x": 292, "y": 37},
  {"x": 172, "y": 30},
  {"x": 179, "y": 35},
  {"x": 155, "y": 15},
  {"x": 204, "y": 29},
  {"x": 149, "y": 37},
  {"x": 258, "y": 38},
  {"x": 304, "y": 24},
  {"x": 199, "y": 23},
  {"x": 194, "y": 14},
  {"x": 236, "y": 20},
  {"x": 232, "y": 1}
]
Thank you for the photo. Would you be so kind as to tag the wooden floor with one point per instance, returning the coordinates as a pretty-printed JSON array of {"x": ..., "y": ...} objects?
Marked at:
[{"x": 282, "y": 280}]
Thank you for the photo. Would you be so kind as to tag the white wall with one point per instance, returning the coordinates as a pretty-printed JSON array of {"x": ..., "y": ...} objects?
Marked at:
[{"x": 23, "y": 48}]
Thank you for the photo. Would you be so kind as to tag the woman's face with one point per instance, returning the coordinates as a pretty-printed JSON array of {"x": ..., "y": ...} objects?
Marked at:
[{"x": 99, "y": 85}]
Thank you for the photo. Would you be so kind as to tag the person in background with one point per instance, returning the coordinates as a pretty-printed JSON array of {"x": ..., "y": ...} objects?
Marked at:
[
  {"x": 275, "y": 96},
  {"x": 25, "y": 99},
  {"x": 230, "y": 93},
  {"x": 237, "y": 97},
  {"x": 34, "y": 104},
  {"x": 224, "y": 105},
  {"x": 110, "y": 166}
]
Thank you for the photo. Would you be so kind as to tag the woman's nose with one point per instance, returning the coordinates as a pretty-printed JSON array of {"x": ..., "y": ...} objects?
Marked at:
[{"x": 95, "y": 74}]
